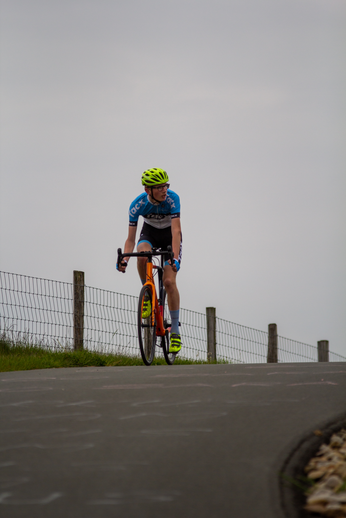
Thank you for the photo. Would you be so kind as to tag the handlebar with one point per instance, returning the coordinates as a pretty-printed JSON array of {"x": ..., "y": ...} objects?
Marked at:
[{"x": 152, "y": 253}]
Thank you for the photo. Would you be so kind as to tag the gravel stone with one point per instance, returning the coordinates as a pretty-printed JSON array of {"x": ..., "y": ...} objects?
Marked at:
[{"x": 328, "y": 495}]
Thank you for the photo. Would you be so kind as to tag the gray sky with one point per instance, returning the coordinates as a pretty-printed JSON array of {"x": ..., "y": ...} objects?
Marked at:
[{"x": 242, "y": 102}]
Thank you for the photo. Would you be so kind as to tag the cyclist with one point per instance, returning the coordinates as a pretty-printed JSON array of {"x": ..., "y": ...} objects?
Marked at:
[{"x": 160, "y": 209}]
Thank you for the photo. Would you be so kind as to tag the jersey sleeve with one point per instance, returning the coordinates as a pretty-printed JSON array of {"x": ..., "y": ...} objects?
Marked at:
[
  {"x": 174, "y": 201},
  {"x": 135, "y": 210},
  {"x": 133, "y": 218}
]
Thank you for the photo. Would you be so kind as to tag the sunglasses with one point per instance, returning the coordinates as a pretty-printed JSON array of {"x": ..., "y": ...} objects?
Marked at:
[{"x": 162, "y": 187}]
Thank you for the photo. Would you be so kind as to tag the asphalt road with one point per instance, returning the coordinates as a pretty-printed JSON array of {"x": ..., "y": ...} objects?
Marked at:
[{"x": 182, "y": 441}]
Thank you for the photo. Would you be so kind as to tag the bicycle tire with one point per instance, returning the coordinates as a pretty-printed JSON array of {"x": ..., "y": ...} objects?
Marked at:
[
  {"x": 146, "y": 327},
  {"x": 169, "y": 357}
]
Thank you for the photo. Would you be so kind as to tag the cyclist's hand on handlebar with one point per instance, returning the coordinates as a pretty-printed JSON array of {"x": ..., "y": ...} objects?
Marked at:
[
  {"x": 121, "y": 267},
  {"x": 175, "y": 265}
]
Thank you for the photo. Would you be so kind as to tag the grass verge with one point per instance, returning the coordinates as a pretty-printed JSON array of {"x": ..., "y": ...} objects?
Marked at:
[{"x": 21, "y": 356}]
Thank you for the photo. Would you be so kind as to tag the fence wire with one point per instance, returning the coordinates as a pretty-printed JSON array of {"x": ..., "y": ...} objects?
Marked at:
[
  {"x": 292, "y": 351},
  {"x": 35, "y": 310},
  {"x": 240, "y": 344},
  {"x": 39, "y": 311},
  {"x": 110, "y": 322}
]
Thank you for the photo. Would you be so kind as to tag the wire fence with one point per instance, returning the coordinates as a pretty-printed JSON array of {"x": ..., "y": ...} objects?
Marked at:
[{"x": 40, "y": 312}]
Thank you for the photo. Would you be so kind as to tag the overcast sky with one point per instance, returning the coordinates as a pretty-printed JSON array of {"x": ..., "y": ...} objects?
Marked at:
[{"x": 241, "y": 101}]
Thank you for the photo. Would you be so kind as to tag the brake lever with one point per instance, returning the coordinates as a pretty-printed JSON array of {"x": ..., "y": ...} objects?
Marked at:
[
  {"x": 119, "y": 257},
  {"x": 171, "y": 255}
]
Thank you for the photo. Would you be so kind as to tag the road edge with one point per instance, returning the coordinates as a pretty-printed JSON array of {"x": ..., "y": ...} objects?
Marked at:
[{"x": 292, "y": 499}]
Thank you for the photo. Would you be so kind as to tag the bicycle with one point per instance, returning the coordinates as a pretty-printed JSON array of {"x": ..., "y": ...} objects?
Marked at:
[{"x": 153, "y": 329}]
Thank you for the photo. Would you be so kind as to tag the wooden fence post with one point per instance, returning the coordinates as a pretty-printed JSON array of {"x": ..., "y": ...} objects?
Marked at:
[
  {"x": 78, "y": 309},
  {"x": 211, "y": 334},
  {"x": 323, "y": 350},
  {"x": 272, "y": 356}
]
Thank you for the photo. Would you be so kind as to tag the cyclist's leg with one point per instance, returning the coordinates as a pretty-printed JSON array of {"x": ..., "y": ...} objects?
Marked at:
[
  {"x": 143, "y": 246},
  {"x": 170, "y": 284},
  {"x": 173, "y": 298}
]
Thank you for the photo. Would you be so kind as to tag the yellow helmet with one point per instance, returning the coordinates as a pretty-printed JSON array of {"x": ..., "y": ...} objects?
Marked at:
[{"x": 154, "y": 176}]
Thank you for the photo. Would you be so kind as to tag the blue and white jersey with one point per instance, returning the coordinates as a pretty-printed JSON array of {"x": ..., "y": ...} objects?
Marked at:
[{"x": 157, "y": 215}]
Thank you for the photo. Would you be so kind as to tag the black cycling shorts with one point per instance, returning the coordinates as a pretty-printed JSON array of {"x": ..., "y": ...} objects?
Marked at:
[{"x": 158, "y": 238}]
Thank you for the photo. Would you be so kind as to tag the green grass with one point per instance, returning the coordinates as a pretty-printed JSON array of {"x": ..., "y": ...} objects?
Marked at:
[
  {"x": 302, "y": 483},
  {"x": 22, "y": 356}
]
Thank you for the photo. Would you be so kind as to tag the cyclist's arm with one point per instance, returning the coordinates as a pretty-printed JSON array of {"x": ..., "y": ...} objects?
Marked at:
[
  {"x": 130, "y": 241},
  {"x": 176, "y": 237},
  {"x": 128, "y": 247}
]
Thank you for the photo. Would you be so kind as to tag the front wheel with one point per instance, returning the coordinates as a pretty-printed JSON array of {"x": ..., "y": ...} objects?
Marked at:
[
  {"x": 169, "y": 357},
  {"x": 146, "y": 325}
]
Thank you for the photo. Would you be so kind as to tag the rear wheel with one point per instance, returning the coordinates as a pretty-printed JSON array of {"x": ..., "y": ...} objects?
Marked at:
[
  {"x": 146, "y": 325},
  {"x": 169, "y": 357}
]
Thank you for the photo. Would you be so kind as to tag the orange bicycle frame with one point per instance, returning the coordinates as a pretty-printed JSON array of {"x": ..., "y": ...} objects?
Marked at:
[
  {"x": 160, "y": 330},
  {"x": 157, "y": 305}
]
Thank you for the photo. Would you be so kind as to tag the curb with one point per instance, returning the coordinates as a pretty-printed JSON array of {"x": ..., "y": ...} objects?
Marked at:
[{"x": 293, "y": 499}]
